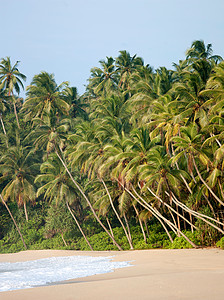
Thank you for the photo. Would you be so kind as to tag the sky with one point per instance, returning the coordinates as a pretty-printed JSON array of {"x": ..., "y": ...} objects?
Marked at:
[{"x": 69, "y": 37}]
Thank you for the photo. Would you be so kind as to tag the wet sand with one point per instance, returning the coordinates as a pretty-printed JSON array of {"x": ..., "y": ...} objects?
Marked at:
[{"x": 155, "y": 274}]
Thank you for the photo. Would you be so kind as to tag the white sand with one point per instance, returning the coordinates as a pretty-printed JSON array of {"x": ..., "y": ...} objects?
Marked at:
[{"x": 156, "y": 274}]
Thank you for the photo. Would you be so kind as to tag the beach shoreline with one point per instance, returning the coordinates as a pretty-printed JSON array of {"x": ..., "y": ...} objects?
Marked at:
[{"x": 155, "y": 274}]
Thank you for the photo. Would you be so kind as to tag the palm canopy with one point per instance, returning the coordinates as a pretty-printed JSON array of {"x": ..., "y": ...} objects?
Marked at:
[
  {"x": 126, "y": 65},
  {"x": 199, "y": 50},
  {"x": 18, "y": 168},
  {"x": 44, "y": 96},
  {"x": 10, "y": 76},
  {"x": 103, "y": 80}
]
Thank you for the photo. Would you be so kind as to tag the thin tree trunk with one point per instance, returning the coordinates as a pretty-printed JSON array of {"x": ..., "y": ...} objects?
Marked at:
[
  {"x": 3, "y": 127},
  {"x": 117, "y": 215},
  {"x": 80, "y": 229},
  {"x": 25, "y": 210},
  {"x": 111, "y": 230},
  {"x": 87, "y": 200},
  {"x": 149, "y": 208},
  {"x": 129, "y": 231},
  {"x": 140, "y": 222},
  {"x": 146, "y": 227},
  {"x": 199, "y": 215},
  {"x": 66, "y": 245},
  {"x": 171, "y": 208},
  {"x": 172, "y": 225},
  {"x": 207, "y": 186},
  {"x": 15, "y": 112},
  {"x": 6, "y": 206}
]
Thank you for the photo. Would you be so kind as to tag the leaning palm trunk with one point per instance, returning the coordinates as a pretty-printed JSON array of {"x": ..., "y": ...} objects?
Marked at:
[
  {"x": 111, "y": 230},
  {"x": 170, "y": 224},
  {"x": 140, "y": 222},
  {"x": 87, "y": 200},
  {"x": 117, "y": 215},
  {"x": 128, "y": 227},
  {"x": 80, "y": 229},
  {"x": 3, "y": 127},
  {"x": 199, "y": 215},
  {"x": 25, "y": 210},
  {"x": 171, "y": 208},
  {"x": 149, "y": 208},
  {"x": 6, "y": 206}
]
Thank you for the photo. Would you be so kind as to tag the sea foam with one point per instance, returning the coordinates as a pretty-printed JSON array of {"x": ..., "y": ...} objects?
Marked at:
[{"x": 28, "y": 274}]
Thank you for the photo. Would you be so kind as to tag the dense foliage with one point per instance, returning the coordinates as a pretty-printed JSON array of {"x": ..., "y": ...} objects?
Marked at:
[{"x": 135, "y": 162}]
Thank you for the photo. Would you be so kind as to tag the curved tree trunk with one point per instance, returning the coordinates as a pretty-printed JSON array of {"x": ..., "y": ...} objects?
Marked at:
[
  {"x": 6, "y": 206},
  {"x": 170, "y": 224},
  {"x": 87, "y": 200},
  {"x": 149, "y": 208},
  {"x": 77, "y": 223},
  {"x": 171, "y": 208},
  {"x": 128, "y": 227},
  {"x": 140, "y": 222},
  {"x": 199, "y": 215},
  {"x": 117, "y": 215}
]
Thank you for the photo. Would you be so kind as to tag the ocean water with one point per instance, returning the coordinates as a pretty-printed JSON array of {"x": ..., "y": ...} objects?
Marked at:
[{"x": 28, "y": 274}]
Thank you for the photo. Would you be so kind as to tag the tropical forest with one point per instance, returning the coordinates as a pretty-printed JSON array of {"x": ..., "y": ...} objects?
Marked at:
[{"x": 135, "y": 162}]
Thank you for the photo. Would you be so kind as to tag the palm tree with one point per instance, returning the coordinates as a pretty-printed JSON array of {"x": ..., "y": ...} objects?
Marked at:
[
  {"x": 14, "y": 221},
  {"x": 45, "y": 96},
  {"x": 11, "y": 79},
  {"x": 103, "y": 80},
  {"x": 126, "y": 66},
  {"x": 57, "y": 186},
  {"x": 199, "y": 50},
  {"x": 18, "y": 168}
]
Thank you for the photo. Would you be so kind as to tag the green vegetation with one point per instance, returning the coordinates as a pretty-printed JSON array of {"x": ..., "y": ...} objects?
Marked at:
[{"x": 136, "y": 162}]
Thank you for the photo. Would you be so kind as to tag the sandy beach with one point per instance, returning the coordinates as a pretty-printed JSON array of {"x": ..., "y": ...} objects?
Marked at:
[{"x": 155, "y": 274}]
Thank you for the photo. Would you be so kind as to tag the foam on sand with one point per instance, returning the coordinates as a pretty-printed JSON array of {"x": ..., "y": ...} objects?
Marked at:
[{"x": 22, "y": 275}]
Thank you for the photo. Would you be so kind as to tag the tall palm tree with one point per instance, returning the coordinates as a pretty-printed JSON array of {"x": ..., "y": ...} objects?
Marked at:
[
  {"x": 11, "y": 79},
  {"x": 57, "y": 186},
  {"x": 18, "y": 168},
  {"x": 103, "y": 80},
  {"x": 45, "y": 96},
  {"x": 126, "y": 66}
]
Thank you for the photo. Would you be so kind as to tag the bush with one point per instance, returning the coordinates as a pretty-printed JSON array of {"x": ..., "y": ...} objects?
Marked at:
[{"x": 220, "y": 243}]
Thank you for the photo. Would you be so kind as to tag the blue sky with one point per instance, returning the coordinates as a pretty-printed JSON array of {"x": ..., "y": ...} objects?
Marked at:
[{"x": 69, "y": 37}]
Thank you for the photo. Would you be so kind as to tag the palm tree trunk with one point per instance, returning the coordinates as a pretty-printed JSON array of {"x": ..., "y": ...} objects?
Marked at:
[
  {"x": 25, "y": 210},
  {"x": 111, "y": 230},
  {"x": 80, "y": 229},
  {"x": 14, "y": 107},
  {"x": 87, "y": 200},
  {"x": 171, "y": 208},
  {"x": 3, "y": 126},
  {"x": 140, "y": 222},
  {"x": 179, "y": 231},
  {"x": 149, "y": 208},
  {"x": 146, "y": 227},
  {"x": 15, "y": 112},
  {"x": 6, "y": 206},
  {"x": 117, "y": 215},
  {"x": 129, "y": 231},
  {"x": 199, "y": 215},
  {"x": 66, "y": 245}
]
